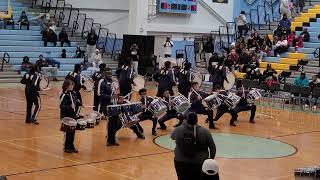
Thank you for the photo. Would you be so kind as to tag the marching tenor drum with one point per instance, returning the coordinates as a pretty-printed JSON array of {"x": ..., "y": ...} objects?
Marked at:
[
  {"x": 232, "y": 100},
  {"x": 253, "y": 95},
  {"x": 308, "y": 173},
  {"x": 81, "y": 124},
  {"x": 227, "y": 85},
  {"x": 68, "y": 123},
  {"x": 88, "y": 83},
  {"x": 91, "y": 122},
  {"x": 213, "y": 101},
  {"x": 180, "y": 104},
  {"x": 139, "y": 83},
  {"x": 157, "y": 107},
  {"x": 128, "y": 120},
  {"x": 96, "y": 115}
]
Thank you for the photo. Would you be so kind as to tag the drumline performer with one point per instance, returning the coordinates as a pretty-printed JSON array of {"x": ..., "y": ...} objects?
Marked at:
[
  {"x": 171, "y": 113},
  {"x": 77, "y": 78},
  {"x": 166, "y": 79},
  {"x": 146, "y": 114},
  {"x": 185, "y": 79},
  {"x": 126, "y": 78},
  {"x": 106, "y": 90},
  {"x": 31, "y": 81},
  {"x": 223, "y": 108},
  {"x": 244, "y": 105},
  {"x": 68, "y": 103},
  {"x": 219, "y": 74},
  {"x": 115, "y": 124},
  {"x": 96, "y": 77},
  {"x": 195, "y": 97}
]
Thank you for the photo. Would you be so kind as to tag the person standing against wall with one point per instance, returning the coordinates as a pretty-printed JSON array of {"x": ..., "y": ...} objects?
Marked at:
[
  {"x": 193, "y": 144},
  {"x": 168, "y": 44}
]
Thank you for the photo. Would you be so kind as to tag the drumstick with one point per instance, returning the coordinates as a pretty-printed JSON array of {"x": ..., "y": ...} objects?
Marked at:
[
  {"x": 128, "y": 95},
  {"x": 84, "y": 106}
]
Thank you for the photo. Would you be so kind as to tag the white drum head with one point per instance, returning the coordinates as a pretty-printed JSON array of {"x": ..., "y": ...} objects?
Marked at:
[
  {"x": 44, "y": 83},
  {"x": 232, "y": 80},
  {"x": 69, "y": 121},
  {"x": 139, "y": 83}
]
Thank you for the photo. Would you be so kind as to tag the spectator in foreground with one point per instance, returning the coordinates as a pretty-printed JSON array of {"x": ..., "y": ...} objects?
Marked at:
[
  {"x": 192, "y": 145},
  {"x": 305, "y": 35},
  {"x": 63, "y": 37},
  {"x": 26, "y": 64},
  {"x": 302, "y": 80},
  {"x": 91, "y": 42},
  {"x": 96, "y": 58},
  {"x": 23, "y": 20}
]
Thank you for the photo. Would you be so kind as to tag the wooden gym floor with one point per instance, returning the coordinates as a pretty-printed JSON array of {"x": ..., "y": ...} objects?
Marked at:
[{"x": 36, "y": 152}]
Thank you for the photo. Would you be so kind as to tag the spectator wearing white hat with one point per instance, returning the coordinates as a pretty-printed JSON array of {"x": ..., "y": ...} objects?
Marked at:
[
  {"x": 192, "y": 145},
  {"x": 96, "y": 58}
]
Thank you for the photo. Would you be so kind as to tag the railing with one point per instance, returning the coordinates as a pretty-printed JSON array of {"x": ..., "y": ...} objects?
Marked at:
[
  {"x": 9, "y": 12},
  {"x": 5, "y": 59},
  {"x": 316, "y": 54}
]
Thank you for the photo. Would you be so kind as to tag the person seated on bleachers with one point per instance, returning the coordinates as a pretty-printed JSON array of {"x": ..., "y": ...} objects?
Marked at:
[
  {"x": 40, "y": 63},
  {"x": 23, "y": 20},
  {"x": 272, "y": 80},
  {"x": 52, "y": 62},
  {"x": 96, "y": 58},
  {"x": 79, "y": 53},
  {"x": 314, "y": 82},
  {"x": 234, "y": 56},
  {"x": 302, "y": 80},
  {"x": 265, "y": 51},
  {"x": 48, "y": 35},
  {"x": 305, "y": 35},
  {"x": 26, "y": 64},
  {"x": 214, "y": 60},
  {"x": 254, "y": 75},
  {"x": 63, "y": 37},
  {"x": 285, "y": 25},
  {"x": 281, "y": 46},
  {"x": 266, "y": 40},
  {"x": 64, "y": 53},
  {"x": 269, "y": 72},
  {"x": 244, "y": 60}
]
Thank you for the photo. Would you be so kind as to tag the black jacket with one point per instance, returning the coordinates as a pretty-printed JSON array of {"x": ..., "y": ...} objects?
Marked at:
[
  {"x": 66, "y": 100},
  {"x": 31, "y": 81},
  {"x": 63, "y": 36},
  {"x": 96, "y": 77},
  {"x": 77, "y": 79},
  {"x": 92, "y": 39},
  {"x": 196, "y": 104},
  {"x": 105, "y": 91}
]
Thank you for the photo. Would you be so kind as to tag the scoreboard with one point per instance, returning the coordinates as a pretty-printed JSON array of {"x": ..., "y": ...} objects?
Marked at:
[{"x": 178, "y": 6}]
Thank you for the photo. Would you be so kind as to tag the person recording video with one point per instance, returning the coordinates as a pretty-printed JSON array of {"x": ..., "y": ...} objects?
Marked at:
[{"x": 168, "y": 44}]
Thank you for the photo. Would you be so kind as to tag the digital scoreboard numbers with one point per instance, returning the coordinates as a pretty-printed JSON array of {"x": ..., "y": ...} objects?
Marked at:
[{"x": 178, "y": 6}]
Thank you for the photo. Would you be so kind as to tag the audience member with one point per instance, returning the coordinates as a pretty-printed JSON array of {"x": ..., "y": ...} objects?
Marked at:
[
  {"x": 79, "y": 53},
  {"x": 23, "y": 20},
  {"x": 208, "y": 49},
  {"x": 26, "y": 64},
  {"x": 64, "y": 53},
  {"x": 85, "y": 63},
  {"x": 285, "y": 25},
  {"x": 63, "y": 37},
  {"x": 91, "y": 42},
  {"x": 272, "y": 80},
  {"x": 48, "y": 35},
  {"x": 96, "y": 58},
  {"x": 269, "y": 72},
  {"x": 314, "y": 82},
  {"x": 305, "y": 35},
  {"x": 284, "y": 8},
  {"x": 281, "y": 46},
  {"x": 302, "y": 80},
  {"x": 242, "y": 24}
]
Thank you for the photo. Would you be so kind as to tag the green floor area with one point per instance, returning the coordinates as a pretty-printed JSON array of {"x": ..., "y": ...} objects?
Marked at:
[{"x": 240, "y": 146}]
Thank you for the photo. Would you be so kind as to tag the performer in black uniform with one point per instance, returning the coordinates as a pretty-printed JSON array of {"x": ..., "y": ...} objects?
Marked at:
[
  {"x": 171, "y": 113},
  {"x": 244, "y": 105},
  {"x": 195, "y": 97},
  {"x": 126, "y": 78},
  {"x": 166, "y": 79},
  {"x": 96, "y": 77},
  {"x": 76, "y": 77},
  {"x": 219, "y": 73},
  {"x": 185, "y": 79},
  {"x": 106, "y": 91},
  {"x": 32, "y": 80},
  {"x": 68, "y": 103},
  {"x": 146, "y": 114},
  {"x": 115, "y": 124},
  {"x": 223, "y": 108}
]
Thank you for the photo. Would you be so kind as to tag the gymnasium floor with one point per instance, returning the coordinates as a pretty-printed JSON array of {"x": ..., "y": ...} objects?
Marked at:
[{"x": 36, "y": 152}]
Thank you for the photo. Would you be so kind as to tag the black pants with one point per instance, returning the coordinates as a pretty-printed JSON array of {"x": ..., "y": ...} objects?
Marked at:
[
  {"x": 148, "y": 116},
  {"x": 280, "y": 49},
  {"x": 224, "y": 109},
  {"x": 188, "y": 171},
  {"x": 33, "y": 98},
  {"x": 184, "y": 90},
  {"x": 45, "y": 42},
  {"x": 167, "y": 55},
  {"x": 25, "y": 24},
  {"x": 69, "y": 138},
  {"x": 170, "y": 115},
  {"x": 241, "y": 29},
  {"x": 65, "y": 41},
  {"x": 115, "y": 125},
  {"x": 96, "y": 101},
  {"x": 204, "y": 111},
  {"x": 78, "y": 106},
  {"x": 252, "y": 108}
]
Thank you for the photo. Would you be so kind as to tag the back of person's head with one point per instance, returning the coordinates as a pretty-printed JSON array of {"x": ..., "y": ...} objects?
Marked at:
[
  {"x": 64, "y": 50},
  {"x": 167, "y": 64},
  {"x": 242, "y": 12},
  {"x": 187, "y": 66},
  {"x": 25, "y": 59},
  {"x": 77, "y": 67},
  {"x": 216, "y": 87},
  {"x": 192, "y": 119},
  {"x": 32, "y": 70},
  {"x": 66, "y": 84}
]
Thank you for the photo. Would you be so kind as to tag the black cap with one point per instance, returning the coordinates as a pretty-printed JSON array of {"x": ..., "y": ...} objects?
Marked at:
[{"x": 192, "y": 119}]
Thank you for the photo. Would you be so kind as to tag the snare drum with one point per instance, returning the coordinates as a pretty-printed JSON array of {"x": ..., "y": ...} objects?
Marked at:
[
  {"x": 91, "y": 122},
  {"x": 213, "y": 101},
  {"x": 128, "y": 120},
  {"x": 232, "y": 100},
  {"x": 180, "y": 104},
  {"x": 157, "y": 107},
  {"x": 253, "y": 95},
  {"x": 81, "y": 124},
  {"x": 68, "y": 123}
]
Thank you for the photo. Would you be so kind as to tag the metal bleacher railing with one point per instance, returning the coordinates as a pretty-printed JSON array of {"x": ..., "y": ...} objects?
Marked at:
[{"x": 80, "y": 24}]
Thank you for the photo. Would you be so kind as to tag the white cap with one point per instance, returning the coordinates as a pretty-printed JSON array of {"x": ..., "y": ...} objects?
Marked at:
[
  {"x": 210, "y": 167},
  {"x": 233, "y": 44}
]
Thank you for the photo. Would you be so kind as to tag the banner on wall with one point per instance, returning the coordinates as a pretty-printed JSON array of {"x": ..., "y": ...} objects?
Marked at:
[{"x": 220, "y": 1}]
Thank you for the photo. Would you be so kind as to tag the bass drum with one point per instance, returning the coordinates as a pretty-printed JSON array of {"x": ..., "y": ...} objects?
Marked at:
[
  {"x": 139, "y": 83},
  {"x": 231, "y": 81}
]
